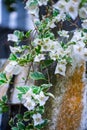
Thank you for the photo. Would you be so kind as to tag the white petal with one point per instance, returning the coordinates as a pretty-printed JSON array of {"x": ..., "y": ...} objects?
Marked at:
[
  {"x": 30, "y": 104},
  {"x": 41, "y": 98},
  {"x": 60, "y": 5},
  {"x": 84, "y": 24},
  {"x": 60, "y": 69},
  {"x": 9, "y": 68},
  {"x": 37, "y": 119},
  {"x": 83, "y": 12},
  {"x": 15, "y": 49},
  {"x": 39, "y": 58},
  {"x": 42, "y": 2},
  {"x": 12, "y": 37},
  {"x": 17, "y": 69},
  {"x": 72, "y": 10}
]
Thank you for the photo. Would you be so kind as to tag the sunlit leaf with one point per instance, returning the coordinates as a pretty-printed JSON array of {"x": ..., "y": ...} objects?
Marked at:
[{"x": 36, "y": 76}]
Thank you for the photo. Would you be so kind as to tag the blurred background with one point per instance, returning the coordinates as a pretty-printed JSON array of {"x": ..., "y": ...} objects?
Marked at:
[{"x": 13, "y": 16}]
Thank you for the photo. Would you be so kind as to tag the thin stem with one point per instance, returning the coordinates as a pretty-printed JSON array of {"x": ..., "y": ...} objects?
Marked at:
[
  {"x": 28, "y": 72},
  {"x": 19, "y": 110},
  {"x": 48, "y": 75}
]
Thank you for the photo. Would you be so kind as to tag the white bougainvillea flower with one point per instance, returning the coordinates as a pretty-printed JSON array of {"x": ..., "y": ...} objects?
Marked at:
[
  {"x": 42, "y": 2},
  {"x": 68, "y": 50},
  {"x": 61, "y": 16},
  {"x": 56, "y": 53},
  {"x": 56, "y": 50},
  {"x": 49, "y": 45},
  {"x": 84, "y": 24},
  {"x": 78, "y": 54},
  {"x": 29, "y": 104},
  {"x": 28, "y": 95},
  {"x": 37, "y": 41},
  {"x": 78, "y": 35},
  {"x": 60, "y": 5},
  {"x": 12, "y": 37},
  {"x": 61, "y": 68},
  {"x": 34, "y": 12},
  {"x": 13, "y": 68},
  {"x": 51, "y": 24},
  {"x": 15, "y": 49},
  {"x": 37, "y": 119},
  {"x": 83, "y": 12},
  {"x": 39, "y": 58},
  {"x": 41, "y": 98},
  {"x": 63, "y": 33},
  {"x": 32, "y": 7},
  {"x": 72, "y": 9}
]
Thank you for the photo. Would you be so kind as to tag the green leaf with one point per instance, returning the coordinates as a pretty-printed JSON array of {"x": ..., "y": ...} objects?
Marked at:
[
  {"x": 29, "y": 127},
  {"x": 83, "y": 2},
  {"x": 26, "y": 116},
  {"x": 85, "y": 30},
  {"x": 4, "y": 99},
  {"x": 2, "y": 82},
  {"x": 50, "y": 94},
  {"x": 20, "y": 96},
  {"x": 21, "y": 126},
  {"x": 68, "y": 18},
  {"x": 19, "y": 34},
  {"x": 3, "y": 78},
  {"x": 38, "y": 49},
  {"x": 37, "y": 75},
  {"x": 23, "y": 89},
  {"x": 11, "y": 122},
  {"x": 55, "y": 12},
  {"x": 13, "y": 57},
  {"x": 15, "y": 128},
  {"x": 42, "y": 125},
  {"x": 3, "y": 106},
  {"x": 67, "y": 0},
  {"x": 19, "y": 117},
  {"x": 40, "y": 109},
  {"x": 46, "y": 63},
  {"x": 45, "y": 87},
  {"x": 36, "y": 89},
  {"x": 4, "y": 109},
  {"x": 69, "y": 60},
  {"x": 34, "y": 3},
  {"x": 2, "y": 75},
  {"x": 27, "y": 35}
]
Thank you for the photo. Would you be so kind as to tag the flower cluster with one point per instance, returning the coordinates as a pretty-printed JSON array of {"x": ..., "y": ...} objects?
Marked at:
[
  {"x": 34, "y": 99},
  {"x": 63, "y": 9},
  {"x": 71, "y": 52},
  {"x": 72, "y": 9},
  {"x": 33, "y": 6},
  {"x": 31, "y": 101}
]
